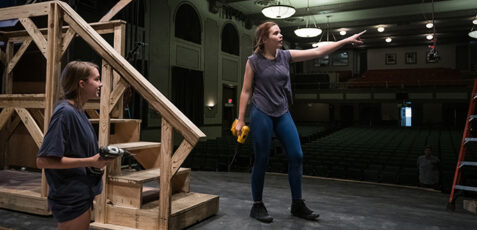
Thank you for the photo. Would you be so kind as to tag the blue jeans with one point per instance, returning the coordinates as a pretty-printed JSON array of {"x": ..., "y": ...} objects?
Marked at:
[{"x": 262, "y": 128}]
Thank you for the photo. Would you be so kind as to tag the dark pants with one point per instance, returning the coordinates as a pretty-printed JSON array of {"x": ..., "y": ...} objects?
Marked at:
[{"x": 262, "y": 128}]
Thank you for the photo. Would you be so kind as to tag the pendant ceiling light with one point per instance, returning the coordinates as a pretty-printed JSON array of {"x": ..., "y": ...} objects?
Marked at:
[
  {"x": 308, "y": 32},
  {"x": 473, "y": 33},
  {"x": 278, "y": 11},
  {"x": 327, "y": 32}
]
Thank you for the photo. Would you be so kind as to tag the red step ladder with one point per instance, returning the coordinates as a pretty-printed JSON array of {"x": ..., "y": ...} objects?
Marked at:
[{"x": 466, "y": 139}]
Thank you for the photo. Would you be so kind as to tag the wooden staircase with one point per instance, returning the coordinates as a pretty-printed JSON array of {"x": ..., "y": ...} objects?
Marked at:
[
  {"x": 130, "y": 200},
  {"x": 133, "y": 197}
]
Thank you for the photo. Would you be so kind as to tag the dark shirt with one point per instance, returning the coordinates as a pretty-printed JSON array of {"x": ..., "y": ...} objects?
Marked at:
[
  {"x": 428, "y": 170},
  {"x": 271, "y": 83},
  {"x": 70, "y": 134}
]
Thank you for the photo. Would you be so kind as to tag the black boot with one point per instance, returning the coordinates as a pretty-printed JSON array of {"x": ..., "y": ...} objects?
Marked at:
[
  {"x": 260, "y": 213},
  {"x": 299, "y": 209}
]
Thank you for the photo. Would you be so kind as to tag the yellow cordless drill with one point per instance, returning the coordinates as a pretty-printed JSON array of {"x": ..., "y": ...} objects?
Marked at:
[
  {"x": 240, "y": 140},
  {"x": 243, "y": 135}
]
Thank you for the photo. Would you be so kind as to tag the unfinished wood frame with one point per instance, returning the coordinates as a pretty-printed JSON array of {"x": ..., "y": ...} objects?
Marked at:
[{"x": 54, "y": 46}]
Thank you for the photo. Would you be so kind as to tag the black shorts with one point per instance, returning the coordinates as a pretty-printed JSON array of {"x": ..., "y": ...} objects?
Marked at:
[{"x": 67, "y": 211}]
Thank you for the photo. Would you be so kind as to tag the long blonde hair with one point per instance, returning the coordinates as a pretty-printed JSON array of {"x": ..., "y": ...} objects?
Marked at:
[
  {"x": 70, "y": 77},
  {"x": 262, "y": 32}
]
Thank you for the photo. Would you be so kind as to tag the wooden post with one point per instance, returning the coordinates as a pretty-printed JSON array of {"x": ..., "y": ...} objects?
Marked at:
[
  {"x": 103, "y": 135},
  {"x": 164, "y": 180},
  {"x": 8, "y": 76},
  {"x": 53, "y": 66},
  {"x": 119, "y": 45}
]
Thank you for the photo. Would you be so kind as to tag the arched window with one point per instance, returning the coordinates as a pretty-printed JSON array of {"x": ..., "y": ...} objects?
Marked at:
[
  {"x": 187, "y": 24},
  {"x": 230, "y": 39}
]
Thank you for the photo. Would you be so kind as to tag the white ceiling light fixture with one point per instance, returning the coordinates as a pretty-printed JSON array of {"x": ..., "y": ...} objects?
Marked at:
[
  {"x": 308, "y": 32},
  {"x": 342, "y": 32},
  {"x": 429, "y": 37},
  {"x": 388, "y": 39},
  {"x": 278, "y": 11},
  {"x": 380, "y": 29},
  {"x": 429, "y": 25},
  {"x": 321, "y": 42},
  {"x": 473, "y": 33}
]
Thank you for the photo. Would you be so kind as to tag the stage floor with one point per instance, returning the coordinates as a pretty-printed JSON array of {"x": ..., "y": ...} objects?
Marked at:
[{"x": 341, "y": 205}]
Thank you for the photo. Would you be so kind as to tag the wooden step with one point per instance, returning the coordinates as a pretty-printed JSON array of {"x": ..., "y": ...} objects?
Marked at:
[
  {"x": 146, "y": 153},
  {"x": 121, "y": 130},
  {"x": 100, "y": 226},
  {"x": 143, "y": 176},
  {"x": 129, "y": 191},
  {"x": 186, "y": 209},
  {"x": 115, "y": 120}
]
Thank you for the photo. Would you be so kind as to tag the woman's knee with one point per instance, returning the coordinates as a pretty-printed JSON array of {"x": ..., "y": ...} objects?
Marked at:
[{"x": 296, "y": 156}]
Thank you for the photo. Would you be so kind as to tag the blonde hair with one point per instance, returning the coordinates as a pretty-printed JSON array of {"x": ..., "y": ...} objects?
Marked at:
[
  {"x": 261, "y": 33},
  {"x": 70, "y": 77}
]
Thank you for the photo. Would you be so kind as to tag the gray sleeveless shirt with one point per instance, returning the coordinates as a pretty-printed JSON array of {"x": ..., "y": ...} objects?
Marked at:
[{"x": 271, "y": 88}]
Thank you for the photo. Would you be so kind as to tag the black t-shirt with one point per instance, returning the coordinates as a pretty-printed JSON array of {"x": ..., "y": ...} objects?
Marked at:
[{"x": 70, "y": 134}]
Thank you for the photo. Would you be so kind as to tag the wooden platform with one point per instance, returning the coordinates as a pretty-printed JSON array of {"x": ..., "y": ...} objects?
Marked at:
[
  {"x": 20, "y": 191},
  {"x": 186, "y": 209}
]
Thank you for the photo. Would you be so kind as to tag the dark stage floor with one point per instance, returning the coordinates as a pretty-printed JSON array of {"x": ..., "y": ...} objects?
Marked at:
[{"x": 341, "y": 204}]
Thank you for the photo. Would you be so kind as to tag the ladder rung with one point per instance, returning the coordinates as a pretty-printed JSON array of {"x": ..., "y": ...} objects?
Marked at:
[
  {"x": 470, "y": 139},
  {"x": 472, "y": 117},
  {"x": 469, "y": 163},
  {"x": 466, "y": 188}
]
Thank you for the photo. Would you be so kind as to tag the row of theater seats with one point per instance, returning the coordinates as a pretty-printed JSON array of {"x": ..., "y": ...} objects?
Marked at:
[
  {"x": 408, "y": 78},
  {"x": 218, "y": 154},
  {"x": 378, "y": 154}
]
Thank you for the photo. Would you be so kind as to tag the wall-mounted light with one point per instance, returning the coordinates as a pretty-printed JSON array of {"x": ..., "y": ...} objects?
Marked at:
[
  {"x": 380, "y": 29},
  {"x": 429, "y": 37},
  {"x": 388, "y": 39},
  {"x": 342, "y": 32},
  {"x": 210, "y": 106},
  {"x": 429, "y": 25}
]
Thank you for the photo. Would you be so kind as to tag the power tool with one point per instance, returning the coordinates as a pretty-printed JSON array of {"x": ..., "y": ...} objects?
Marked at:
[
  {"x": 243, "y": 135},
  {"x": 107, "y": 153},
  {"x": 111, "y": 152},
  {"x": 240, "y": 139}
]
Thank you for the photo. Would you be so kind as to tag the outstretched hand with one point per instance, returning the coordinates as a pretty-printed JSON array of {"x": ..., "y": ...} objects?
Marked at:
[{"x": 356, "y": 38}]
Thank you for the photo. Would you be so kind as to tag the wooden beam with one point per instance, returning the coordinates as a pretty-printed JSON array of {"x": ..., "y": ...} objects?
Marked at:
[
  {"x": 7, "y": 83},
  {"x": 120, "y": 46},
  {"x": 31, "y": 125},
  {"x": 118, "y": 7},
  {"x": 117, "y": 93},
  {"x": 18, "y": 55},
  {"x": 38, "y": 115},
  {"x": 100, "y": 27},
  {"x": 5, "y": 116},
  {"x": 103, "y": 136},
  {"x": 33, "y": 31},
  {"x": 22, "y": 100},
  {"x": 180, "y": 155},
  {"x": 92, "y": 113},
  {"x": 165, "y": 180},
  {"x": 25, "y": 11},
  {"x": 156, "y": 99},
  {"x": 3, "y": 57},
  {"x": 67, "y": 38},
  {"x": 53, "y": 67}
]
